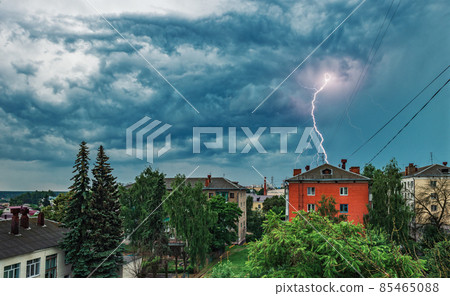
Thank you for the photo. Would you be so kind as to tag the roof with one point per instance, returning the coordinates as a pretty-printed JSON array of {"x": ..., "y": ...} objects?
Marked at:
[
  {"x": 433, "y": 170},
  {"x": 37, "y": 238},
  {"x": 262, "y": 198},
  {"x": 217, "y": 183},
  {"x": 337, "y": 174}
]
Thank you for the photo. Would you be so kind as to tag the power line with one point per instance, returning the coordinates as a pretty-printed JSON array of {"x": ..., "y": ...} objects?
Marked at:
[
  {"x": 409, "y": 121},
  {"x": 404, "y": 107},
  {"x": 368, "y": 63}
]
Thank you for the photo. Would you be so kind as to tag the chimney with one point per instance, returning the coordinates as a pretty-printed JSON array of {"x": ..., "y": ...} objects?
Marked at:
[
  {"x": 410, "y": 169},
  {"x": 265, "y": 186},
  {"x": 15, "y": 220},
  {"x": 40, "y": 219},
  {"x": 444, "y": 163},
  {"x": 24, "y": 220},
  {"x": 355, "y": 170},
  {"x": 208, "y": 181},
  {"x": 307, "y": 168},
  {"x": 297, "y": 172},
  {"x": 343, "y": 161}
]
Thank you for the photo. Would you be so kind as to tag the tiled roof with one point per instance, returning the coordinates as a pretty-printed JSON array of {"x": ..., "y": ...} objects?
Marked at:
[
  {"x": 261, "y": 198},
  {"x": 434, "y": 170},
  {"x": 337, "y": 174},
  {"x": 37, "y": 238},
  {"x": 215, "y": 184}
]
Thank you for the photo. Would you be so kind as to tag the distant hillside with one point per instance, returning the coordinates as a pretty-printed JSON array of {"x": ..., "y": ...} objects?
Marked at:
[{"x": 7, "y": 195}]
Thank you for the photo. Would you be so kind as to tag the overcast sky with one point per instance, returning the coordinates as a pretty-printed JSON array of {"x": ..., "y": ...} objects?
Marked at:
[{"x": 67, "y": 76}]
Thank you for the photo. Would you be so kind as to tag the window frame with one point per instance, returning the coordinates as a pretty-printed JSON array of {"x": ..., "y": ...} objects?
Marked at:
[
  {"x": 13, "y": 269},
  {"x": 340, "y": 208},
  {"x": 51, "y": 269},
  {"x": 340, "y": 191},
  {"x": 313, "y": 206},
  {"x": 33, "y": 268},
  {"x": 435, "y": 208},
  {"x": 313, "y": 189}
]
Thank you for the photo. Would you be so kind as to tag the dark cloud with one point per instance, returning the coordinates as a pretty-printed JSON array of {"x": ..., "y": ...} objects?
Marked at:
[{"x": 89, "y": 84}]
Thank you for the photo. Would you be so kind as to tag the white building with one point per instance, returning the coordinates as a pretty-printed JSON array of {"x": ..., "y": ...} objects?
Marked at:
[{"x": 33, "y": 252}]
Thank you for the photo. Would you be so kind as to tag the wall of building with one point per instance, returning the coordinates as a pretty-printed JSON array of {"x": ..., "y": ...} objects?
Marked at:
[
  {"x": 423, "y": 190},
  {"x": 357, "y": 198},
  {"x": 61, "y": 271}
]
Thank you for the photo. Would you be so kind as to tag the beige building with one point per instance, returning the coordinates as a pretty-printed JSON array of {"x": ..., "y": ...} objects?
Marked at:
[
  {"x": 31, "y": 252},
  {"x": 231, "y": 190},
  {"x": 427, "y": 191}
]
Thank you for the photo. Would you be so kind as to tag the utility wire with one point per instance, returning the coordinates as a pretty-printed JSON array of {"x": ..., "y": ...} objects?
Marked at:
[
  {"x": 409, "y": 121},
  {"x": 368, "y": 63},
  {"x": 401, "y": 110}
]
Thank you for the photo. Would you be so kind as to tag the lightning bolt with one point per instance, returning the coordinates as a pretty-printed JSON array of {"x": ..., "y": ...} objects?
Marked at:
[{"x": 327, "y": 78}]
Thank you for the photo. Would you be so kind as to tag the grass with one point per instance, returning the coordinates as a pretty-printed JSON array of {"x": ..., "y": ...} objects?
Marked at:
[{"x": 237, "y": 255}]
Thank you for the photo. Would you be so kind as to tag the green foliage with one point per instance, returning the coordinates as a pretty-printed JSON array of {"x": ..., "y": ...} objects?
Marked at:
[
  {"x": 298, "y": 249},
  {"x": 275, "y": 203},
  {"x": 103, "y": 215},
  {"x": 75, "y": 240},
  {"x": 57, "y": 212},
  {"x": 327, "y": 208},
  {"x": 389, "y": 211},
  {"x": 260, "y": 191},
  {"x": 432, "y": 235},
  {"x": 39, "y": 198},
  {"x": 143, "y": 198},
  {"x": 224, "y": 231},
  {"x": 438, "y": 260},
  {"x": 254, "y": 222},
  {"x": 223, "y": 270},
  {"x": 191, "y": 216}
]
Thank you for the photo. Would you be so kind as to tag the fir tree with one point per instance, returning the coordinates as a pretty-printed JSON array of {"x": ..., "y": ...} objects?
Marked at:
[
  {"x": 105, "y": 227},
  {"x": 74, "y": 242}
]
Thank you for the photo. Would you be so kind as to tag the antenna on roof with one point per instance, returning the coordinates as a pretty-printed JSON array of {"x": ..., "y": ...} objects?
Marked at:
[{"x": 431, "y": 157}]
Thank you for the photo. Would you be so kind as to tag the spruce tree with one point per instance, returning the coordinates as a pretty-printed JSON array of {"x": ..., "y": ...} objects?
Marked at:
[
  {"x": 74, "y": 242},
  {"x": 105, "y": 227}
]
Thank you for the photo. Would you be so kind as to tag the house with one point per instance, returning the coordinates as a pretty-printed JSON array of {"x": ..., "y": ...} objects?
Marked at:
[
  {"x": 258, "y": 201},
  {"x": 231, "y": 190},
  {"x": 427, "y": 191},
  {"x": 349, "y": 188},
  {"x": 29, "y": 247}
]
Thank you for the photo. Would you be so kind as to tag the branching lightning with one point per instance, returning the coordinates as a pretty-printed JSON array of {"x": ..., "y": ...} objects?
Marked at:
[{"x": 327, "y": 78}]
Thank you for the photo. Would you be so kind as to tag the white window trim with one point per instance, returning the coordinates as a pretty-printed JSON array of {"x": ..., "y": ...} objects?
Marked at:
[
  {"x": 340, "y": 191},
  {"x": 313, "y": 206},
  {"x": 313, "y": 189},
  {"x": 36, "y": 267},
  {"x": 11, "y": 270}
]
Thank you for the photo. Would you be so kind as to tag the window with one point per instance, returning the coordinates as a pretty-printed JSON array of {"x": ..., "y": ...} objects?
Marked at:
[
  {"x": 327, "y": 172},
  {"x": 50, "y": 266},
  {"x": 433, "y": 208},
  {"x": 344, "y": 191},
  {"x": 311, "y": 191},
  {"x": 33, "y": 267},
  {"x": 343, "y": 208},
  {"x": 231, "y": 195},
  {"x": 12, "y": 271},
  {"x": 259, "y": 206},
  {"x": 433, "y": 195},
  {"x": 311, "y": 207},
  {"x": 211, "y": 194},
  {"x": 433, "y": 183},
  {"x": 224, "y": 194}
]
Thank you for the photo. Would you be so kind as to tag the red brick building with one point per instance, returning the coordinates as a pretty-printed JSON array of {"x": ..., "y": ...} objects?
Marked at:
[{"x": 349, "y": 188}]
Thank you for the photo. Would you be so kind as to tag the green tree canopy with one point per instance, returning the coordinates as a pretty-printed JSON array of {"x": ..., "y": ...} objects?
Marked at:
[
  {"x": 191, "y": 216},
  {"x": 327, "y": 208},
  {"x": 275, "y": 203},
  {"x": 298, "y": 249},
  {"x": 254, "y": 221},
  {"x": 389, "y": 211},
  {"x": 224, "y": 231},
  {"x": 57, "y": 211}
]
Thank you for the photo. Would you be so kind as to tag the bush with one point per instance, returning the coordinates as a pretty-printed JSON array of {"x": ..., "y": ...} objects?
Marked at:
[
  {"x": 438, "y": 260},
  {"x": 223, "y": 270},
  {"x": 298, "y": 249}
]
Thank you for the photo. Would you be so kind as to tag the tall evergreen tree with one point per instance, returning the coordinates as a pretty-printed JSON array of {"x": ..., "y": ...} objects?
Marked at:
[
  {"x": 105, "y": 226},
  {"x": 75, "y": 219}
]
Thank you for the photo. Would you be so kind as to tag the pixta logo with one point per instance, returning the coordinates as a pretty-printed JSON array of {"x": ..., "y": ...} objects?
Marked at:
[{"x": 144, "y": 126}]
